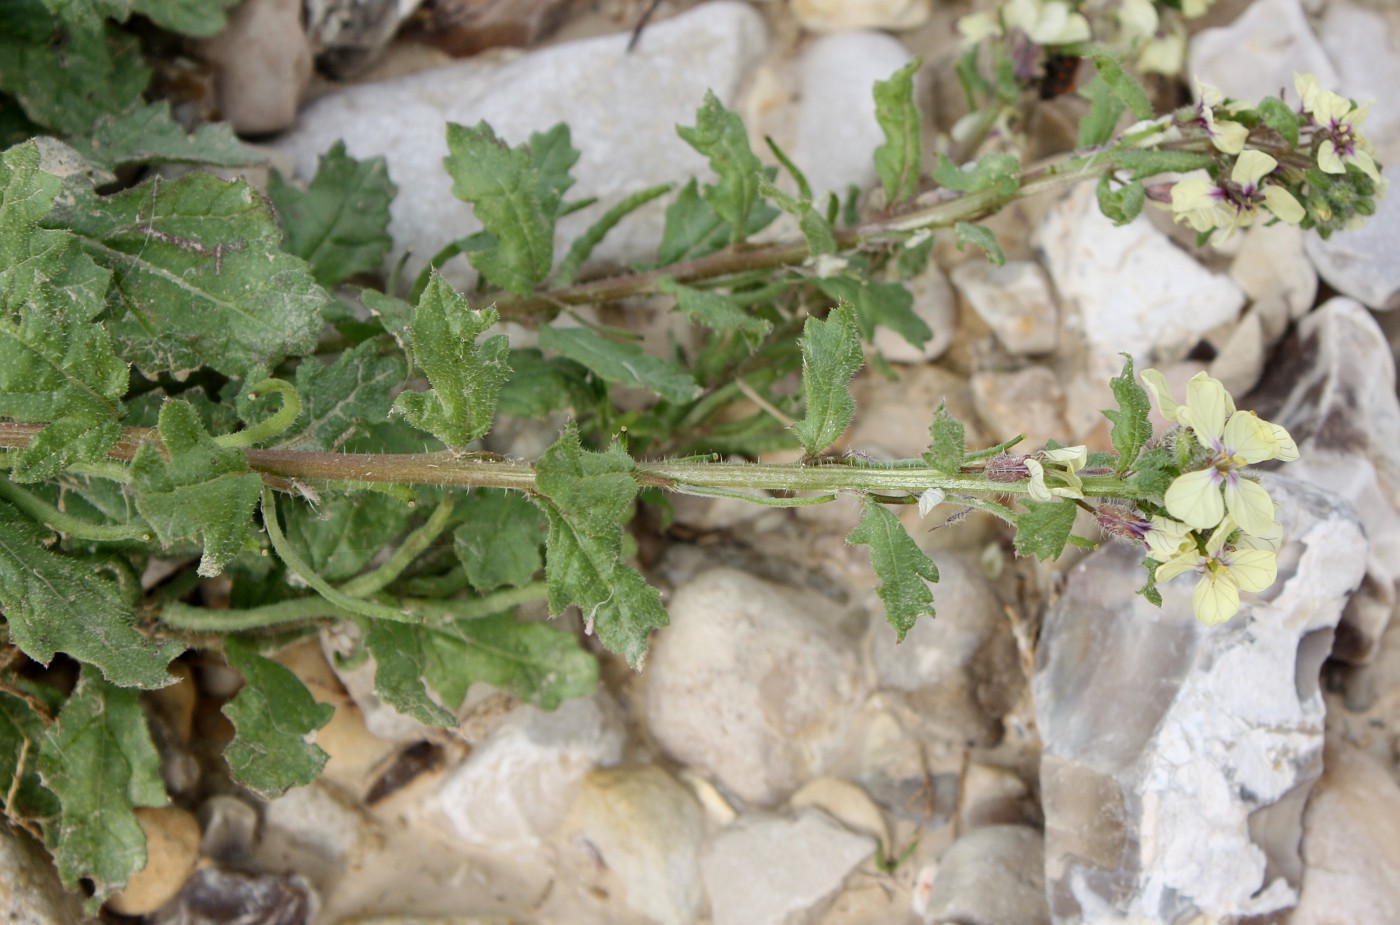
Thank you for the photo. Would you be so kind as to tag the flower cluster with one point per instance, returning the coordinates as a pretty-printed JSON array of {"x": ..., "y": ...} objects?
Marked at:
[
  {"x": 1051, "y": 473},
  {"x": 1219, "y": 523}
]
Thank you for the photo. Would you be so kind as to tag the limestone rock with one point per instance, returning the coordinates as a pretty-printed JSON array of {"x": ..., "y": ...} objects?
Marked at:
[
  {"x": 936, "y": 306},
  {"x": 263, "y": 63},
  {"x": 993, "y": 876},
  {"x": 1257, "y": 55},
  {"x": 30, "y": 891},
  {"x": 1177, "y": 756},
  {"x": 172, "y": 848},
  {"x": 1027, "y": 401},
  {"x": 1360, "y": 263},
  {"x": 1015, "y": 301}
]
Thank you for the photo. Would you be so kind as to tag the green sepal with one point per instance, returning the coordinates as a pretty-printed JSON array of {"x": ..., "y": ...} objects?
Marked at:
[{"x": 903, "y": 568}]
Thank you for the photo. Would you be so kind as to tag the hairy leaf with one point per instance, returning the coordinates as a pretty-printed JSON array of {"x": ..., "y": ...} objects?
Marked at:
[
  {"x": 586, "y": 497},
  {"x": 714, "y": 310},
  {"x": 692, "y": 229},
  {"x": 1280, "y": 117},
  {"x": 814, "y": 226},
  {"x": 553, "y": 155},
  {"x": 719, "y": 134},
  {"x": 399, "y": 662},
  {"x": 981, "y": 236},
  {"x": 58, "y": 603},
  {"x": 903, "y": 568},
  {"x": 1043, "y": 528},
  {"x": 273, "y": 715},
  {"x": 583, "y": 246},
  {"x": 623, "y": 363},
  {"x": 897, "y": 161},
  {"x": 200, "y": 275},
  {"x": 1131, "y": 429},
  {"x": 1123, "y": 85},
  {"x": 21, "y": 740},
  {"x": 205, "y": 491},
  {"x": 997, "y": 173},
  {"x": 516, "y": 199},
  {"x": 148, "y": 134},
  {"x": 100, "y": 763},
  {"x": 538, "y": 385},
  {"x": 466, "y": 376},
  {"x": 345, "y": 397},
  {"x": 534, "y": 663},
  {"x": 1121, "y": 204},
  {"x": 73, "y": 77},
  {"x": 499, "y": 541},
  {"x": 340, "y": 225},
  {"x": 341, "y": 534},
  {"x": 202, "y": 18},
  {"x": 831, "y": 355},
  {"x": 1105, "y": 109},
  {"x": 947, "y": 442}
]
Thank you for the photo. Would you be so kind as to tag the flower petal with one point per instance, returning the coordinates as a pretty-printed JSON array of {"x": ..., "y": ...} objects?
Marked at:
[
  {"x": 1328, "y": 159},
  {"x": 1252, "y": 569},
  {"x": 1251, "y": 167},
  {"x": 1038, "y": 490},
  {"x": 1249, "y": 504},
  {"x": 1178, "y": 565},
  {"x": 1074, "y": 457},
  {"x": 1229, "y": 137},
  {"x": 1167, "y": 539},
  {"x": 1247, "y": 436},
  {"x": 1366, "y": 163},
  {"x": 1281, "y": 202},
  {"x": 1209, "y": 406},
  {"x": 1194, "y": 499},
  {"x": 1216, "y": 600},
  {"x": 1287, "y": 449},
  {"x": 1156, "y": 383}
]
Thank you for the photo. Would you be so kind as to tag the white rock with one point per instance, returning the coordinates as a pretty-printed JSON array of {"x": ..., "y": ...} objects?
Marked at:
[
  {"x": 752, "y": 683},
  {"x": 1351, "y": 843},
  {"x": 318, "y": 832},
  {"x": 382, "y": 720},
  {"x": 836, "y": 129},
  {"x": 1361, "y": 263},
  {"x": 1276, "y": 275},
  {"x": 647, "y": 831},
  {"x": 844, "y": 15},
  {"x": 517, "y": 786},
  {"x": 936, "y": 305},
  {"x": 1132, "y": 289},
  {"x": 845, "y": 802},
  {"x": 1332, "y": 385},
  {"x": 1015, "y": 301},
  {"x": 993, "y": 876},
  {"x": 263, "y": 64},
  {"x": 622, "y": 109},
  {"x": 1027, "y": 401},
  {"x": 1366, "y": 51},
  {"x": 1258, "y": 54},
  {"x": 769, "y": 870},
  {"x": 1177, "y": 755},
  {"x": 1240, "y": 361}
]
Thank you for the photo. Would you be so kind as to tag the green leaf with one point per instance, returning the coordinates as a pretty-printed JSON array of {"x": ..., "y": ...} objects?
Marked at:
[
  {"x": 516, "y": 199},
  {"x": 1280, "y": 117},
  {"x": 340, "y": 225},
  {"x": 1121, "y": 204},
  {"x": 88, "y": 14},
  {"x": 901, "y": 564},
  {"x": 1131, "y": 429},
  {"x": 21, "y": 739},
  {"x": 1105, "y": 109},
  {"x": 205, "y": 491},
  {"x": 586, "y": 497},
  {"x": 1148, "y": 163},
  {"x": 692, "y": 229},
  {"x": 1154, "y": 472},
  {"x": 531, "y": 662},
  {"x": 273, "y": 715},
  {"x": 1124, "y": 85},
  {"x": 831, "y": 355},
  {"x": 149, "y": 135},
  {"x": 714, "y": 310},
  {"x": 1149, "y": 588},
  {"x": 341, "y": 399},
  {"x": 200, "y": 275},
  {"x": 897, "y": 161},
  {"x": 343, "y": 533},
  {"x": 813, "y": 224},
  {"x": 499, "y": 542},
  {"x": 879, "y": 305},
  {"x": 465, "y": 377},
  {"x": 56, "y": 365},
  {"x": 998, "y": 173},
  {"x": 982, "y": 236},
  {"x": 914, "y": 257},
  {"x": 399, "y": 664},
  {"x": 58, "y": 603},
  {"x": 203, "y": 18},
  {"x": 1043, "y": 528},
  {"x": 99, "y": 762},
  {"x": 553, "y": 155},
  {"x": 394, "y": 315},
  {"x": 625, "y": 364},
  {"x": 70, "y": 79},
  {"x": 719, "y": 134},
  {"x": 583, "y": 246},
  {"x": 804, "y": 189},
  {"x": 947, "y": 445},
  {"x": 538, "y": 385}
]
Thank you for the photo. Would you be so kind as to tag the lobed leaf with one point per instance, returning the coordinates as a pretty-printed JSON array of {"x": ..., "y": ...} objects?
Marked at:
[
  {"x": 340, "y": 224},
  {"x": 466, "y": 376},
  {"x": 68, "y": 78},
  {"x": 538, "y": 385},
  {"x": 100, "y": 763},
  {"x": 831, "y": 355},
  {"x": 586, "y": 497},
  {"x": 22, "y": 732},
  {"x": 342, "y": 399},
  {"x": 947, "y": 442},
  {"x": 1131, "y": 429},
  {"x": 515, "y": 194},
  {"x": 272, "y": 716},
  {"x": 344, "y": 532},
  {"x": 897, "y": 161},
  {"x": 622, "y": 363},
  {"x": 203, "y": 491},
  {"x": 1043, "y": 529},
  {"x": 999, "y": 174},
  {"x": 58, "y": 603},
  {"x": 400, "y": 659},
  {"x": 147, "y": 134},
  {"x": 903, "y": 568},
  {"x": 719, "y": 134}
]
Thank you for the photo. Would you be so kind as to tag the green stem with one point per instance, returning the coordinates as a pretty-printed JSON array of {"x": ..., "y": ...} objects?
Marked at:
[
  {"x": 67, "y": 524},
  {"x": 418, "y": 541},
  {"x": 264, "y": 430}
]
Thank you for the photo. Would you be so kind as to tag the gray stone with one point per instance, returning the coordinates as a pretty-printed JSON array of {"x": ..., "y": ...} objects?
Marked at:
[
  {"x": 1257, "y": 55},
  {"x": 1026, "y": 401},
  {"x": 1274, "y": 272},
  {"x": 936, "y": 306},
  {"x": 771, "y": 870},
  {"x": 1016, "y": 302},
  {"x": 993, "y": 876},
  {"x": 753, "y": 683},
  {"x": 1361, "y": 262},
  {"x": 1366, "y": 51},
  {"x": 1332, "y": 384},
  {"x": 622, "y": 109},
  {"x": 263, "y": 65},
  {"x": 1351, "y": 843},
  {"x": 1178, "y": 756},
  {"x": 30, "y": 892}
]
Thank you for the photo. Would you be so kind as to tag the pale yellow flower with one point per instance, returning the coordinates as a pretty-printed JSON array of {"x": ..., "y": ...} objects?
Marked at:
[
  {"x": 1339, "y": 121},
  {"x": 1226, "y": 206},
  {"x": 975, "y": 27},
  {"x": 1193, "y": 8},
  {"x": 1225, "y": 571},
  {"x": 1227, "y": 136},
  {"x": 1062, "y": 463},
  {"x": 1164, "y": 52},
  {"x": 1046, "y": 22}
]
